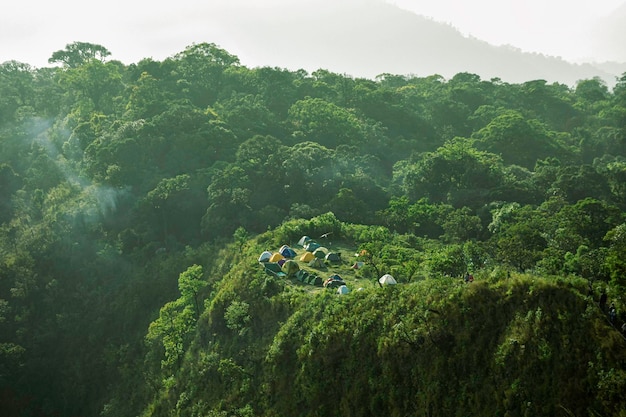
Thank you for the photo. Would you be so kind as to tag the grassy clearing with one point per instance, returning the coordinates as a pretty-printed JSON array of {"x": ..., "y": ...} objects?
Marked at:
[{"x": 354, "y": 278}]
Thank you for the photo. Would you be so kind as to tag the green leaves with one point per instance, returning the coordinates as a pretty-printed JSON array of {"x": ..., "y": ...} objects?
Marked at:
[
  {"x": 78, "y": 53},
  {"x": 518, "y": 140},
  {"x": 177, "y": 319},
  {"x": 616, "y": 257},
  {"x": 190, "y": 283},
  {"x": 206, "y": 53},
  {"x": 202, "y": 66},
  {"x": 172, "y": 330},
  {"x": 237, "y": 317},
  {"x": 326, "y": 123},
  {"x": 456, "y": 173}
]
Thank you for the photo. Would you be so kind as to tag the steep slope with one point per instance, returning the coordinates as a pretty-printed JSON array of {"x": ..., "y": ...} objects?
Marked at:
[{"x": 522, "y": 345}]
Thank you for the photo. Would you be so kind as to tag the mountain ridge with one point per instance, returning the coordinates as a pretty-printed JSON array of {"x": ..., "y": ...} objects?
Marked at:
[{"x": 366, "y": 41}]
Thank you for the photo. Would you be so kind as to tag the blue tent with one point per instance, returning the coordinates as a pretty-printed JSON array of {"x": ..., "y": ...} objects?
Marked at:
[{"x": 287, "y": 252}]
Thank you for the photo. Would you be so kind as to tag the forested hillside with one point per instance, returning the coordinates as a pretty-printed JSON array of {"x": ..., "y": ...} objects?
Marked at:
[{"x": 136, "y": 200}]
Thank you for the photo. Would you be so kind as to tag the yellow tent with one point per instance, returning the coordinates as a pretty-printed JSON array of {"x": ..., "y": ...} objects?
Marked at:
[
  {"x": 276, "y": 257},
  {"x": 307, "y": 256}
]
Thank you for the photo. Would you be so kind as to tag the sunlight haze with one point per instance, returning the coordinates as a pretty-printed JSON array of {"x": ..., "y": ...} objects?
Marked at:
[{"x": 31, "y": 30}]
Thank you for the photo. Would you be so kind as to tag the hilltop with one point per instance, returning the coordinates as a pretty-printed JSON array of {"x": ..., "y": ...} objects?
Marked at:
[{"x": 502, "y": 345}]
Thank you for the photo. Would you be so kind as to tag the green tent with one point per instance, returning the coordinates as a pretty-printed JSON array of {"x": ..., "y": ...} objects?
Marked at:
[
  {"x": 320, "y": 252},
  {"x": 311, "y": 246},
  {"x": 302, "y": 275},
  {"x": 272, "y": 268},
  {"x": 317, "y": 263},
  {"x": 314, "y": 280},
  {"x": 333, "y": 257},
  {"x": 290, "y": 267}
]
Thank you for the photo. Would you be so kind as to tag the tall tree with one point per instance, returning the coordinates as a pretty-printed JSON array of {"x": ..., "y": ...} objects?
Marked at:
[
  {"x": 200, "y": 68},
  {"x": 16, "y": 89},
  {"x": 78, "y": 53},
  {"x": 518, "y": 140},
  {"x": 317, "y": 120},
  {"x": 457, "y": 173}
]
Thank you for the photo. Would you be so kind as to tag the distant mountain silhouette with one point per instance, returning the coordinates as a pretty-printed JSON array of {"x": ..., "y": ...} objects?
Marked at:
[
  {"x": 610, "y": 34},
  {"x": 367, "y": 38}
]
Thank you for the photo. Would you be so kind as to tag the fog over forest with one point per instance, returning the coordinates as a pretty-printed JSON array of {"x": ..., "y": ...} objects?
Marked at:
[{"x": 356, "y": 37}]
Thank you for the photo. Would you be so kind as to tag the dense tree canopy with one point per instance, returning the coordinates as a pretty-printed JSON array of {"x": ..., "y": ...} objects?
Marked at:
[{"x": 122, "y": 188}]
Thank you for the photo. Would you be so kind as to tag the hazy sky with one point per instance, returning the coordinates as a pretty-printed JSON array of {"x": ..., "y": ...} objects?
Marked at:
[{"x": 31, "y": 30}]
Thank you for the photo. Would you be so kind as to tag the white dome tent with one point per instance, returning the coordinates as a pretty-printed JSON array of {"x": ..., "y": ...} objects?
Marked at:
[
  {"x": 343, "y": 290},
  {"x": 387, "y": 280}
]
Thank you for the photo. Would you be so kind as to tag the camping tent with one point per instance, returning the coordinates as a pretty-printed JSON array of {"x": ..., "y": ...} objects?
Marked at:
[
  {"x": 304, "y": 240},
  {"x": 320, "y": 252},
  {"x": 307, "y": 256},
  {"x": 343, "y": 290},
  {"x": 276, "y": 257},
  {"x": 265, "y": 256},
  {"x": 315, "y": 280},
  {"x": 358, "y": 265},
  {"x": 272, "y": 268},
  {"x": 387, "y": 280},
  {"x": 311, "y": 246},
  {"x": 317, "y": 263},
  {"x": 290, "y": 267},
  {"x": 301, "y": 275},
  {"x": 287, "y": 252},
  {"x": 334, "y": 281},
  {"x": 333, "y": 257}
]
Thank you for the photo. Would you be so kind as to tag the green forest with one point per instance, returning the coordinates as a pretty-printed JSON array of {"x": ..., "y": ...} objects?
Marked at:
[{"x": 137, "y": 202}]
